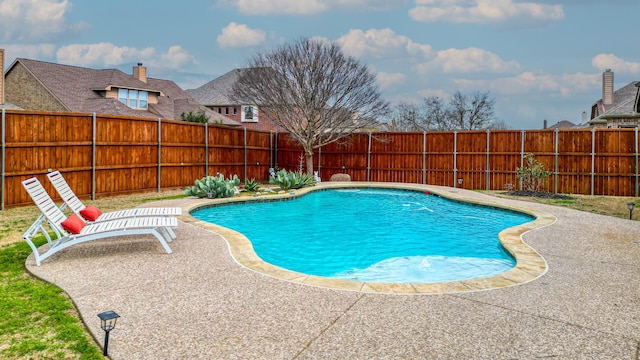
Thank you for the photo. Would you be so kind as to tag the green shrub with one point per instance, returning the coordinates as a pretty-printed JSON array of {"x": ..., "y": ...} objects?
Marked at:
[
  {"x": 198, "y": 117},
  {"x": 214, "y": 187},
  {"x": 532, "y": 174},
  {"x": 251, "y": 185},
  {"x": 291, "y": 179}
]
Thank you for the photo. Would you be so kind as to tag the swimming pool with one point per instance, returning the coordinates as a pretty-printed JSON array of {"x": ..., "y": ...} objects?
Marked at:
[{"x": 374, "y": 235}]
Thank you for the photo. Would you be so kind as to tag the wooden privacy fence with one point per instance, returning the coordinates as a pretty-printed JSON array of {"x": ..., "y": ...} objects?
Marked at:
[
  {"x": 107, "y": 155},
  {"x": 582, "y": 161},
  {"x": 102, "y": 155}
]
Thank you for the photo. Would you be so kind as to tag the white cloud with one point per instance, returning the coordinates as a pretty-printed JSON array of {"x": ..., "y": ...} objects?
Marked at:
[
  {"x": 564, "y": 85},
  {"x": 109, "y": 55},
  {"x": 102, "y": 54},
  {"x": 387, "y": 80},
  {"x": 270, "y": 7},
  {"x": 28, "y": 51},
  {"x": 610, "y": 61},
  {"x": 240, "y": 35},
  {"x": 425, "y": 93},
  {"x": 367, "y": 5},
  {"x": 310, "y": 7},
  {"x": 470, "y": 60},
  {"x": 381, "y": 43},
  {"x": 484, "y": 11},
  {"x": 175, "y": 58},
  {"x": 33, "y": 19}
]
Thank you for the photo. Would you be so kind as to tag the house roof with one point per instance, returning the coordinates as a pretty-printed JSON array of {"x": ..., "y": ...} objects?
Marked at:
[
  {"x": 562, "y": 125},
  {"x": 624, "y": 102},
  {"x": 80, "y": 90},
  {"x": 216, "y": 92}
]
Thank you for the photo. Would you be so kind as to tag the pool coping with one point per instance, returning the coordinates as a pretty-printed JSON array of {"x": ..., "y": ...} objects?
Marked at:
[{"x": 530, "y": 265}]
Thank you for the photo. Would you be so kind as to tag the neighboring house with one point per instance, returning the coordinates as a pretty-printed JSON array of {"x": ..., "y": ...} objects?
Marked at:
[
  {"x": 564, "y": 124},
  {"x": 214, "y": 95},
  {"x": 616, "y": 109},
  {"x": 44, "y": 86}
]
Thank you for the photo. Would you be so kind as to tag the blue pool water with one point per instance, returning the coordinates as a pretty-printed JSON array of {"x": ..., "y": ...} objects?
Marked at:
[{"x": 374, "y": 235}]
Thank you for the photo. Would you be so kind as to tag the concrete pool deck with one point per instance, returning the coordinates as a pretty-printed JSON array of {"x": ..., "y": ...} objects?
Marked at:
[{"x": 199, "y": 303}]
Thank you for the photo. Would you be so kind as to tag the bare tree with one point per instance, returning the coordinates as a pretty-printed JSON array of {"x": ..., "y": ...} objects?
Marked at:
[
  {"x": 409, "y": 116},
  {"x": 437, "y": 113},
  {"x": 432, "y": 114},
  {"x": 471, "y": 112},
  {"x": 499, "y": 125},
  {"x": 462, "y": 112},
  {"x": 314, "y": 91}
]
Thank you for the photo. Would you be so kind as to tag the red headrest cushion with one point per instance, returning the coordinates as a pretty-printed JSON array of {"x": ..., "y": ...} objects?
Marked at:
[{"x": 73, "y": 224}]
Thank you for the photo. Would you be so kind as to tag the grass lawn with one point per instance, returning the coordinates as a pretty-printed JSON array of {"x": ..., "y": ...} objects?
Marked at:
[{"x": 38, "y": 321}]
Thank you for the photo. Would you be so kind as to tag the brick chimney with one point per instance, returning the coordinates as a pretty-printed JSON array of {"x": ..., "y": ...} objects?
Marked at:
[
  {"x": 2, "y": 77},
  {"x": 140, "y": 72},
  {"x": 607, "y": 87}
]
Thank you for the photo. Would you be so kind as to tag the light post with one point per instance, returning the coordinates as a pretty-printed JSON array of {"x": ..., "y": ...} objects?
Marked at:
[
  {"x": 630, "y": 206},
  {"x": 107, "y": 323}
]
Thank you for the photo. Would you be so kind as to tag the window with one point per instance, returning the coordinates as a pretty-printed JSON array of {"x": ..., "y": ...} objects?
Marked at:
[
  {"x": 144, "y": 99},
  {"x": 134, "y": 99},
  {"x": 249, "y": 114},
  {"x": 235, "y": 110},
  {"x": 123, "y": 95},
  {"x": 226, "y": 110}
]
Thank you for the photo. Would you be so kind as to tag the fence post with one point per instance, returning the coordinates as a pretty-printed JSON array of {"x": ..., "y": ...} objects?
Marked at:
[
  {"x": 522, "y": 137},
  {"x": 206, "y": 149},
  {"x": 556, "y": 167},
  {"x": 4, "y": 160},
  {"x": 424, "y": 157},
  {"x": 245, "y": 153},
  {"x": 276, "y": 151},
  {"x": 319, "y": 154},
  {"x": 159, "y": 153},
  {"x": 455, "y": 159},
  {"x": 94, "y": 129},
  {"x": 593, "y": 159},
  {"x": 270, "y": 149},
  {"x": 369, "y": 159},
  {"x": 488, "y": 165},
  {"x": 636, "y": 156}
]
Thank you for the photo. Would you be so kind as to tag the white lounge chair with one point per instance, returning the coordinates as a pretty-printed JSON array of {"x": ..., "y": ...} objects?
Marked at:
[
  {"x": 53, "y": 216},
  {"x": 74, "y": 203}
]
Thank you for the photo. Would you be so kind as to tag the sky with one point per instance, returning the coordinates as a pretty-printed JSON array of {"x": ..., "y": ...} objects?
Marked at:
[{"x": 538, "y": 59}]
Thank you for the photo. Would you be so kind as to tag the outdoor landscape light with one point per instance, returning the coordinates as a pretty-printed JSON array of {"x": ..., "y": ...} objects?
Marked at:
[
  {"x": 107, "y": 323},
  {"x": 630, "y": 206}
]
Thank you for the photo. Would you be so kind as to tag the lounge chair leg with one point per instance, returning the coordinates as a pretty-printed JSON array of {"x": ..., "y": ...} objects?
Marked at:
[{"x": 162, "y": 241}]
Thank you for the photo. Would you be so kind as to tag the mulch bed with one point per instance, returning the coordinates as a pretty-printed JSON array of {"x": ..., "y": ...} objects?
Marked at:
[{"x": 538, "y": 194}]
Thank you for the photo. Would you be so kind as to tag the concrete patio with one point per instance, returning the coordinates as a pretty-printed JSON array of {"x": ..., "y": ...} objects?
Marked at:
[{"x": 199, "y": 303}]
